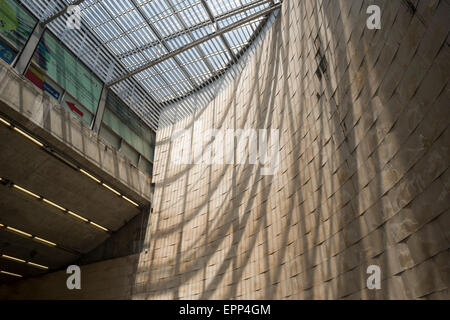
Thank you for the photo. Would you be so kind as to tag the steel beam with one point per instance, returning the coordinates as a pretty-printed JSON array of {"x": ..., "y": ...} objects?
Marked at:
[
  {"x": 219, "y": 18},
  {"x": 224, "y": 40},
  {"x": 61, "y": 12},
  {"x": 96, "y": 123},
  {"x": 232, "y": 26},
  {"x": 27, "y": 52},
  {"x": 164, "y": 44}
]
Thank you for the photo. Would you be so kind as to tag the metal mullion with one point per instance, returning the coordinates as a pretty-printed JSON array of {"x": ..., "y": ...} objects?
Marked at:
[
  {"x": 212, "y": 19},
  {"x": 238, "y": 35},
  {"x": 121, "y": 28},
  {"x": 212, "y": 43},
  {"x": 195, "y": 43},
  {"x": 106, "y": 55},
  {"x": 199, "y": 50},
  {"x": 177, "y": 82},
  {"x": 126, "y": 33},
  {"x": 165, "y": 81},
  {"x": 98, "y": 16},
  {"x": 164, "y": 44},
  {"x": 61, "y": 12},
  {"x": 246, "y": 14},
  {"x": 206, "y": 56},
  {"x": 162, "y": 16},
  {"x": 198, "y": 26}
]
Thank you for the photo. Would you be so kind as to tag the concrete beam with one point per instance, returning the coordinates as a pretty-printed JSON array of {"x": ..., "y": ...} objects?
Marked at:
[
  {"x": 25, "y": 56},
  {"x": 97, "y": 122}
]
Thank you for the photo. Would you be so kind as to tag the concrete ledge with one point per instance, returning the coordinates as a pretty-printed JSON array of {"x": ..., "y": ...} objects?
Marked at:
[{"x": 25, "y": 104}]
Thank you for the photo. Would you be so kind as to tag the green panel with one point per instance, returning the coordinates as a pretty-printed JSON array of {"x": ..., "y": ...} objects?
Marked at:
[
  {"x": 145, "y": 166},
  {"x": 130, "y": 153},
  {"x": 16, "y": 24},
  {"x": 76, "y": 109},
  {"x": 70, "y": 73},
  {"x": 123, "y": 130},
  {"x": 110, "y": 137},
  {"x": 39, "y": 78},
  {"x": 126, "y": 124}
]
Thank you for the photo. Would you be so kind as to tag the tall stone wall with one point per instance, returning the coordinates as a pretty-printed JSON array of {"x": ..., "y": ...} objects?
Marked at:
[{"x": 363, "y": 176}]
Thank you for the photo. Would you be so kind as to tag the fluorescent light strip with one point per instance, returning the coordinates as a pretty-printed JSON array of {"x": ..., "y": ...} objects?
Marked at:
[
  {"x": 23, "y": 261},
  {"x": 81, "y": 170},
  {"x": 90, "y": 176},
  {"x": 53, "y": 204},
  {"x": 20, "y": 232},
  {"x": 30, "y": 236},
  {"x": 26, "y": 191},
  {"x": 37, "y": 265},
  {"x": 12, "y": 258},
  {"x": 26, "y": 135},
  {"x": 5, "y": 122},
  {"x": 77, "y": 216},
  {"x": 98, "y": 226},
  {"x": 59, "y": 207},
  {"x": 11, "y": 274},
  {"x": 108, "y": 187},
  {"x": 130, "y": 201},
  {"x": 111, "y": 189},
  {"x": 45, "y": 241}
]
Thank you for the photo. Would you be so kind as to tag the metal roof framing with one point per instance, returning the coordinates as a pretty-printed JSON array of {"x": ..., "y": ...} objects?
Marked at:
[{"x": 152, "y": 53}]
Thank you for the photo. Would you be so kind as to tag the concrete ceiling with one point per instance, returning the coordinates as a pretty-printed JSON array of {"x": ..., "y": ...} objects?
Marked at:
[{"x": 32, "y": 167}]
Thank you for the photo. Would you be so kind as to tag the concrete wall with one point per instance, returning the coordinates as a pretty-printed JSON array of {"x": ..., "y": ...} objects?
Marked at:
[
  {"x": 363, "y": 177},
  {"x": 23, "y": 102},
  {"x": 110, "y": 279}
]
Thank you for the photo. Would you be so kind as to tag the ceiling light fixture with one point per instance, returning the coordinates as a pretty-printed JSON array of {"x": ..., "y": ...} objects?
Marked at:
[
  {"x": 77, "y": 216},
  {"x": 11, "y": 274},
  {"x": 19, "y": 232},
  {"x": 26, "y": 191},
  {"x": 53, "y": 204},
  {"x": 12, "y": 258},
  {"x": 111, "y": 189},
  {"x": 5, "y": 122},
  {"x": 90, "y": 176},
  {"x": 45, "y": 241},
  {"x": 130, "y": 201},
  {"x": 26, "y": 135},
  {"x": 37, "y": 265},
  {"x": 98, "y": 226}
]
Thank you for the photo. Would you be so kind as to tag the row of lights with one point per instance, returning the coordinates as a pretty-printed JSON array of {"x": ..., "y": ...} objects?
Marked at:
[
  {"x": 36, "y": 265},
  {"x": 22, "y": 261},
  {"x": 28, "y": 235},
  {"x": 57, "y": 206},
  {"x": 11, "y": 274},
  {"x": 29, "y": 137},
  {"x": 109, "y": 188}
]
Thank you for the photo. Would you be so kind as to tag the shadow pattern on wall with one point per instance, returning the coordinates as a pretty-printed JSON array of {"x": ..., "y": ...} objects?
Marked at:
[{"x": 363, "y": 178}]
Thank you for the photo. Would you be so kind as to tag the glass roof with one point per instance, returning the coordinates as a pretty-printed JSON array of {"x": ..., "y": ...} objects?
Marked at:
[{"x": 153, "y": 52}]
